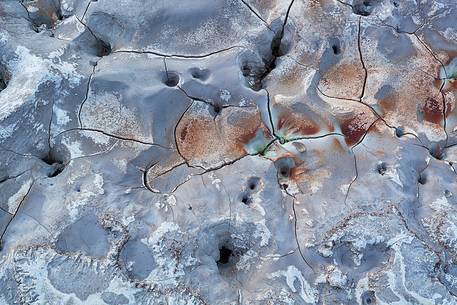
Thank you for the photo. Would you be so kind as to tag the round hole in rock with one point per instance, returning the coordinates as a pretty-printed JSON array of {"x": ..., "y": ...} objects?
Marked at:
[
  {"x": 224, "y": 255},
  {"x": 172, "y": 79},
  {"x": 253, "y": 182},
  {"x": 436, "y": 152},
  {"x": 362, "y": 8},
  {"x": 245, "y": 69},
  {"x": 399, "y": 132},
  {"x": 368, "y": 298},
  {"x": 284, "y": 171},
  {"x": 336, "y": 49},
  {"x": 217, "y": 108},
  {"x": 246, "y": 199},
  {"x": 56, "y": 169},
  {"x": 4, "y": 78},
  {"x": 381, "y": 168},
  {"x": 56, "y": 164},
  {"x": 422, "y": 179},
  {"x": 2, "y": 84},
  {"x": 104, "y": 49},
  {"x": 201, "y": 74}
]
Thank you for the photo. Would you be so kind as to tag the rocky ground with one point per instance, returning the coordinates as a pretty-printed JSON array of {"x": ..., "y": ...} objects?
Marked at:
[{"x": 228, "y": 152}]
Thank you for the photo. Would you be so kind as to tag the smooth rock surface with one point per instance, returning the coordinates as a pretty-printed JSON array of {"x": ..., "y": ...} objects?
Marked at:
[{"x": 228, "y": 152}]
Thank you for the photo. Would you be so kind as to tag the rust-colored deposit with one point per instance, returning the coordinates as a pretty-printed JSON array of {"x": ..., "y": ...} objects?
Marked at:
[
  {"x": 344, "y": 80},
  {"x": 290, "y": 123},
  {"x": 355, "y": 127},
  {"x": 433, "y": 110},
  {"x": 202, "y": 137}
]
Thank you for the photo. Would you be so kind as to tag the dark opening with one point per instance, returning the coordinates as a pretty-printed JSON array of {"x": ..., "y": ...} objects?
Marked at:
[
  {"x": 399, "y": 132},
  {"x": 172, "y": 79},
  {"x": 363, "y": 8},
  {"x": 436, "y": 152},
  {"x": 201, "y": 74},
  {"x": 224, "y": 255},
  {"x": 253, "y": 182},
  {"x": 245, "y": 199},
  {"x": 284, "y": 171},
  {"x": 104, "y": 49},
  {"x": 217, "y": 108},
  {"x": 422, "y": 179},
  {"x": 368, "y": 298},
  {"x": 2, "y": 84},
  {"x": 336, "y": 49},
  {"x": 57, "y": 166},
  {"x": 382, "y": 167}
]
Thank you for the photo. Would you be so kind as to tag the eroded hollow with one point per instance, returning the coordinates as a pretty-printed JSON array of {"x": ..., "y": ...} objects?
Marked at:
[
  {"x": 422, "y": 179},
  {"x": 200, "y": 74},
  {"x": 2, "y": 84},
  {"x": 381, "y": 168},
  {"x": 256, "y": 69},
  {"x": 399, "y": 132},
  {"x": 363, "y": 7},
  {"x": 284, "y": 167},
  {"x": 368, "y": 298},
  {"x": 245, "y": 198},
  {"x": 56, "y": 164},
  {"x": 224, "y": 255},
  {"x": 336, "y": 46},
  {"x": 217, "y": 109},
  {"x": 4, "y": 78},
  {"x": 253, "y": 183},
  {"x": 436, "y": 152},
  {"x": 171, "y": 79},
  {"x": 103, "y": 48}
]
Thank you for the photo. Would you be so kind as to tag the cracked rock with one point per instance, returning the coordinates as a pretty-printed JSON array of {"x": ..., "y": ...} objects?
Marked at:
[{"x": 218, "y": 152}]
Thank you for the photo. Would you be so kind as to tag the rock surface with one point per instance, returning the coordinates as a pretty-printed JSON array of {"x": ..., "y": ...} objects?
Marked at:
[{"x": 228, "y": 152}]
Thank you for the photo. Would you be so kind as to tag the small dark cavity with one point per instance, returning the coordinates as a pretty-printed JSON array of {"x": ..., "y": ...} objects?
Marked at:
[
  {"x": 284, "y": 167},
  {"x": 253, "y": 182},
  {"x": 190, "y": 208},
  {"x": 422, "y": 179},
  {"x": 447, "y": 193},
  {"x": 224, "y": 255},
  {"x": 104, "y": 48},
  {"x": 362, "y": 8},
  {"x": 217, "y": 108},
  {"x": 4, "y": 78},
  {"x": 2, "y": 84},
  {"x": 368, "y": 298},
  {"x": 246, "y": 199},
  {"x": 381, "y": 168},
  {"x": 285, "y": 186},
  {"x": 172, "y": 79},
  {"x": 335, "y": 45},
  {"x": 284, "y": 171},
  {"x": 399, "y": 132},
  {"x": 201, "y": 74},
  {"x": 56, "y": 169},
  {"x": 56, "y": 165},
  {"x": 436, "y": 152},
  {"x": 395, "y": 3}
]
